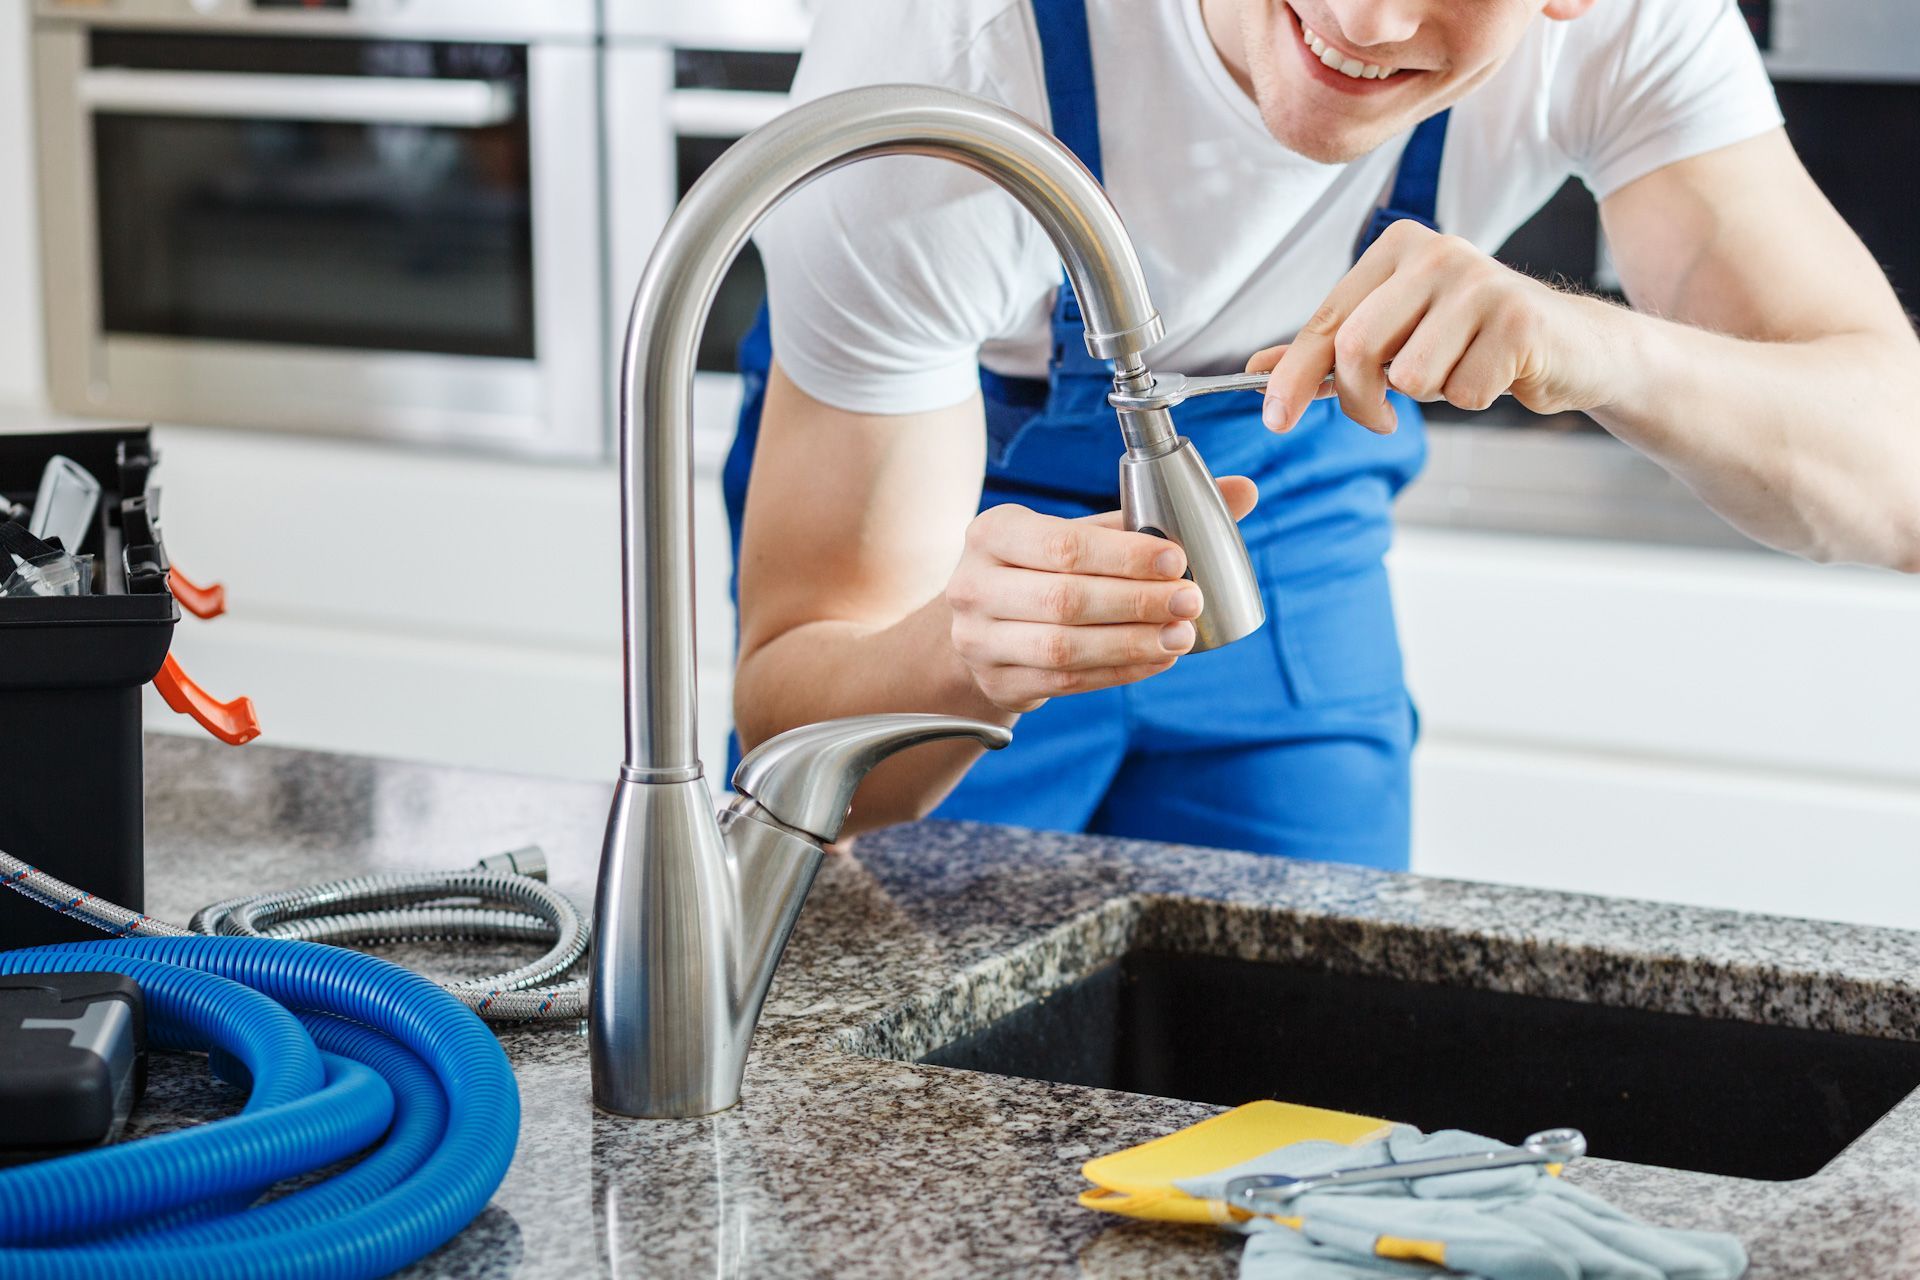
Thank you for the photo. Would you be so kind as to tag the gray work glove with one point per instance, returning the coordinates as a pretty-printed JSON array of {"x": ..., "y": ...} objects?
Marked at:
[{"x": 1516, "y": 1223}]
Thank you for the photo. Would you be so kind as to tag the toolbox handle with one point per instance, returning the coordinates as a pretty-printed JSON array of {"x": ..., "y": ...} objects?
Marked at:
[
  {"x": 209, "y": 601},
  {"x": 233, "y": 722}
]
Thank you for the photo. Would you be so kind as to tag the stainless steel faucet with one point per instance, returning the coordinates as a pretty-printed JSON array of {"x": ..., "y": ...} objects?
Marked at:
[{"x": 694, "y": 907}]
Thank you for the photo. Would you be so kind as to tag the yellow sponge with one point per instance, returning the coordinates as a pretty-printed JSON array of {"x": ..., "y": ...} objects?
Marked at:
[{"x": 1138, "y": 1182}]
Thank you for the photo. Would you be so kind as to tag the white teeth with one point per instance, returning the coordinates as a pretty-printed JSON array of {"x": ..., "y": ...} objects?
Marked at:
[{"x": 1331, "y": 57}]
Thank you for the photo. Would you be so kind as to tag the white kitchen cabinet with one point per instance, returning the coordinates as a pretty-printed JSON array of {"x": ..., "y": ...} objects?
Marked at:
[
  {"x": 1742, "y": 657},
  {"x": 1724, "y": 728},
  {"x": 1733, "y": 728},
  {"x": 1784, "y": 843},
  {"x": 439, "y": 606},
  {"x": 1730, "y": 728}
]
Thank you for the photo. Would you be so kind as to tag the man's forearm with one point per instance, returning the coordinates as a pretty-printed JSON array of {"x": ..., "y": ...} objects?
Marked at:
[
  {"x": 822, "y": 670},
  {"x": 1810, "y": 446}
]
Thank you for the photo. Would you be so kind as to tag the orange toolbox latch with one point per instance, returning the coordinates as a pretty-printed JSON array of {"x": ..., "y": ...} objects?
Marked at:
[
  {"x": 209, "y": 601},
  {"x": 232, "y": 722}
]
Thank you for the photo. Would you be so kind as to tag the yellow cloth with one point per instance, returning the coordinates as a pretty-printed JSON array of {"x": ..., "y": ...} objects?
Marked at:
[{"x": 1139, "y": 1182}]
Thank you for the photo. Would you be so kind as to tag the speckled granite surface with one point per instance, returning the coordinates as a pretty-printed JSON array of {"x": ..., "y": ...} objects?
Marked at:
[{"x": 847, "y": 1165}]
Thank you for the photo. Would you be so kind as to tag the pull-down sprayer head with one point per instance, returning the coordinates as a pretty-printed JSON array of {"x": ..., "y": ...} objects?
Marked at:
[{"x": 1166, "y": 489}]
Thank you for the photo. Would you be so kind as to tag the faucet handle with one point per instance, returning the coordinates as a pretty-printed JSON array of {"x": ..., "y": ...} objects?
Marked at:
[{"x": 806, "y": 777}]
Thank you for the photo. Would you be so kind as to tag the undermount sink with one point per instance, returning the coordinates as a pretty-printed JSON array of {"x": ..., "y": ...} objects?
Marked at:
[{"x": 1668, "y": 1089}]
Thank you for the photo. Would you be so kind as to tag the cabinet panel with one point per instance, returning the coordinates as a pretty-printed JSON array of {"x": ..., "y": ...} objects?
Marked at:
[
  {"x": 487, "y": 706},
  {"x": 1709, "y": 836},
  {"x": 1736, "y": 657},
  {"x": 428, "y": 542}
]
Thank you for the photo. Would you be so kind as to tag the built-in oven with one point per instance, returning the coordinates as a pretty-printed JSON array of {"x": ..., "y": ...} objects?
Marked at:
[
  {"x": 1847, "y": 73},
  {"x": 722, "y": 69},
  {"x": 363, "y": 217}
]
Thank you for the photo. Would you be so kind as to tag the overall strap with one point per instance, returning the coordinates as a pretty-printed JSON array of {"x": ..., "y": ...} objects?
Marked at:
[
  {"x": 1066, "y": 58},
  {"x": 1416, "y": 184}
]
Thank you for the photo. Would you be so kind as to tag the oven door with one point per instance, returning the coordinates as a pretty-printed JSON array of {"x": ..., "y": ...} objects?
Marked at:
[
  {"x": 397, "y": 239},
  {"x": 671, "y": 112}
]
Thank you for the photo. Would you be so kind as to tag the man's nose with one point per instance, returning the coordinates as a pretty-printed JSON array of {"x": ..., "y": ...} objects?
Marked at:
[{"x": 1373, "y": 22}]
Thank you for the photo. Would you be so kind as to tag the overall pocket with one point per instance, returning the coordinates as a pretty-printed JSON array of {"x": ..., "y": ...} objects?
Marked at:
[{"x": 1336, "y": 638}]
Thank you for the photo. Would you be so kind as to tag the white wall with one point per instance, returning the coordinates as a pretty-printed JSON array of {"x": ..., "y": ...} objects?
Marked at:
[{"x": 21, "y": 378}]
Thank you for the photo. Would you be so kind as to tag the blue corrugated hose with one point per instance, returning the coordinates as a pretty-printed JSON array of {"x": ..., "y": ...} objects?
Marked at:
[{"x": 375, "y": 1050}]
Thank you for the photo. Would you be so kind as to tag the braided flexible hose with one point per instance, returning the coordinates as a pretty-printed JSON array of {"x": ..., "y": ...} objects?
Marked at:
[{"x": 499, "y": 898}]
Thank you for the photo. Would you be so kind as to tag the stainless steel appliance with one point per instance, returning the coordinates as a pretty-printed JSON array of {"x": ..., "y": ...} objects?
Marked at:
[
  {"x": 722, "y": 69},
  {"x": 365, "y": 217},
  {"x": 1848, "y": 76}
]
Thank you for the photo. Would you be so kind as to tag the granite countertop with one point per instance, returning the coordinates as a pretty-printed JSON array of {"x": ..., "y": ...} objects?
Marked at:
[{"x": 843, "y": 1162}]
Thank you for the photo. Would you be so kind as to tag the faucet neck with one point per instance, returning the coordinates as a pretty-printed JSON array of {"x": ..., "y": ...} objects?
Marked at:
[
  {"x": 1149, "y": 433},
  {"x": 677, "y": 289}
]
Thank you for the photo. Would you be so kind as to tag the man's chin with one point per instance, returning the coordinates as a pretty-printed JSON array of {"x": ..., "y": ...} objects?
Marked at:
[
  {"x": 1326, "y": 142},
  {"x": 1323, "y": 150}
]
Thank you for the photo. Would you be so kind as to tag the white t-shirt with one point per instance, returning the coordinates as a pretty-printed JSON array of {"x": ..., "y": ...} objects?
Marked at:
[{"x": 891, "y": 280}]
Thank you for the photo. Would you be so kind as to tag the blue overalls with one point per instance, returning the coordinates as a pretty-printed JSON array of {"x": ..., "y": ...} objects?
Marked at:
[{"x": 1294, "y": 740}]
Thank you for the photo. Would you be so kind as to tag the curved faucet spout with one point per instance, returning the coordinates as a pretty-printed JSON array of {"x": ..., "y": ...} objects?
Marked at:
[
  {"x": 693, "y": 908},
  {"x": 670, "y": 310}
]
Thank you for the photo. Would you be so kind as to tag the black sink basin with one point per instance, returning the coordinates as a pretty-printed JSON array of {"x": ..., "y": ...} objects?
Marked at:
[{"x": 1706, "y": 1094}]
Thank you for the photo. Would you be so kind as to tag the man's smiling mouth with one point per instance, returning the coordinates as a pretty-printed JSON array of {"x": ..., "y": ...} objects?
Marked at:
[
  {"x": 1342, "y": 62},
  {"x": 1352, "y": 68}
]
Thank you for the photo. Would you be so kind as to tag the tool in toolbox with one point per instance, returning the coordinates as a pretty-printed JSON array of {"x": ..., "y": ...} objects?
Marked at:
[
  {"x": 73, "y": 665},
  {"x": 64, "y": 505},
  {"x": 32, "y": 567}
]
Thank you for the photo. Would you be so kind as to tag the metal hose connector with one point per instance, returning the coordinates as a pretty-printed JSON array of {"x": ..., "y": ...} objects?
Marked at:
[{"x": 500, "y": 898}]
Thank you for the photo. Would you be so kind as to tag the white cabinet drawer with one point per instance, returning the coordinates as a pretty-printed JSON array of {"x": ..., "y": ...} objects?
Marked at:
[
  {"x": 507, "y": 707},
  {"x": 428, "y": 542},
  {"x": 1731, "y": 656},
  {"x": 1706, "y": 836}
]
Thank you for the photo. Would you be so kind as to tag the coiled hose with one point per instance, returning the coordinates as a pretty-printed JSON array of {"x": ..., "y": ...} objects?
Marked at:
[{"x": 341, "y": 1048}]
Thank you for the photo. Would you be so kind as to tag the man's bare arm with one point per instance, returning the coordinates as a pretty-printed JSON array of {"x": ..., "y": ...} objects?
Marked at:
[
  {"x": 1786, "y": 389},
  {"x": 854, "y": 523},
  {"x": 1769, "y": 367}
]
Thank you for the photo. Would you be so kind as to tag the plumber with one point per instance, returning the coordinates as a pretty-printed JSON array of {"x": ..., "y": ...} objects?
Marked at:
[{"x": 930, "y": 524}]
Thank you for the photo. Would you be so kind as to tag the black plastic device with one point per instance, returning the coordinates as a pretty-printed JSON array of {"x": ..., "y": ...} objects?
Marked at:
[
  {"x": 71, "y": 673},
  {"x": 73, "y": 1061}
]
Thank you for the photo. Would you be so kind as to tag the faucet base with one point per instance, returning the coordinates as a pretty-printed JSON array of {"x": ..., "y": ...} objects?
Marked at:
[{"x": 665, "y": 1038}]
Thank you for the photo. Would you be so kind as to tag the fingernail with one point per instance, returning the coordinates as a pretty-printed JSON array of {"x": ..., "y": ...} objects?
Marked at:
[
  {"x": 1170, "y": 563},
  {"x": 1274, "y": 414},
  {"x": 1176, "y": 637},
  {"x": 1185, "y": 603}
]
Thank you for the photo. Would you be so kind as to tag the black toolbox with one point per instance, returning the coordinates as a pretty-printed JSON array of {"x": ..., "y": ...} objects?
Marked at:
[{"x": 71, "y": 673}]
